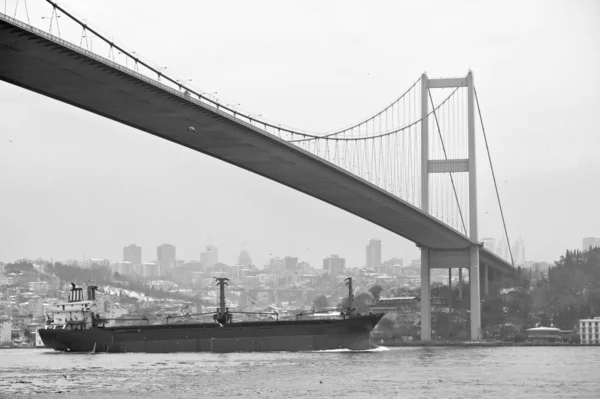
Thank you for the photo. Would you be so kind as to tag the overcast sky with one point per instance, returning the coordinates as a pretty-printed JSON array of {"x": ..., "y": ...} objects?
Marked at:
[{"x": 74, "y": 183}]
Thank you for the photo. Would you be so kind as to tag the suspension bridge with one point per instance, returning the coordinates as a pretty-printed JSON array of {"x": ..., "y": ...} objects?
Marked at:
[{"x": 411, "y": 168}]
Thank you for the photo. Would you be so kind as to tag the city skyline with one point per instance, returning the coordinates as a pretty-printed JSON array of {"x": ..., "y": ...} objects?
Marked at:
[{"x": 373, "y": 251}]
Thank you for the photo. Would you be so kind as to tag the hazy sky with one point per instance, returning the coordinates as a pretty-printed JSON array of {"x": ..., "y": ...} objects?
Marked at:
[{"x": 74, "y": 183}]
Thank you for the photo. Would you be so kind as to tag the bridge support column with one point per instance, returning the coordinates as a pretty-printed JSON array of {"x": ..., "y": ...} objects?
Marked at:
[
  {"x": 460, "y": 284},
  {"x": 425, "y": 296},
  {"x": 474, "y": 285},
  {"x": 484, "y": 279},
  {"x": 449, "y": 288}
]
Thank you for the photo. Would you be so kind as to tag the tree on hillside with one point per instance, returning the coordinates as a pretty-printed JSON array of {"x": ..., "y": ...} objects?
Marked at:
[
  {"x": 376, "y": 291},
  {"x": 19, "y": 267},
  {"x": 320, "y": 302},
  {"x": 362, "y": 303}
]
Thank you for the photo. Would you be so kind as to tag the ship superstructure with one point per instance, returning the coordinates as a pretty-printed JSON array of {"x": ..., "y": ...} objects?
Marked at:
[{"x": 78, "y": 313}]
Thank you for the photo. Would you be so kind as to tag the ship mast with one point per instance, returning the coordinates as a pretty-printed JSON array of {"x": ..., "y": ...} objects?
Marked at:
[
  {"x": 222, "y": 316},
  {"x": 350, "y": 295}
]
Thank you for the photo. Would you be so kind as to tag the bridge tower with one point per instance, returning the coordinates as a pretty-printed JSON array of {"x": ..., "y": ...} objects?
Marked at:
[{"x": 440, "y": 257}]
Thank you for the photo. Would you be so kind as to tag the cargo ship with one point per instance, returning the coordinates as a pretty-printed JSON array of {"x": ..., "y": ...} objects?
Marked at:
[{"x": 76, "y": 326}]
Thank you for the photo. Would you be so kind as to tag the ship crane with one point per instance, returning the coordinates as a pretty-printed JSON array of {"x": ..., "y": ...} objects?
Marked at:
[
  {"x": 349, "y": 311},
  {"x": 223, "y": 316}
]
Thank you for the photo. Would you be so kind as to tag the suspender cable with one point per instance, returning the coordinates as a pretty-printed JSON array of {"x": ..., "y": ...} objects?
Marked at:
[{"x": 494, "y": 178}]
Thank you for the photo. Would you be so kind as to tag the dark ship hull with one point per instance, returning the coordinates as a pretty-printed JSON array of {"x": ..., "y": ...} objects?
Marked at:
[{"x": 306, "y": 335}]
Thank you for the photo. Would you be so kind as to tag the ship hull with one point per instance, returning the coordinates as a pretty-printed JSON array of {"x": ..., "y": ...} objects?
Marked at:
[{"x": 307, "y": 335}]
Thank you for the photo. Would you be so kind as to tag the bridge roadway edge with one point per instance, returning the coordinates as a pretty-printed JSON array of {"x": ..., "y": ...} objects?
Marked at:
[{"x": 432, "y": 233}]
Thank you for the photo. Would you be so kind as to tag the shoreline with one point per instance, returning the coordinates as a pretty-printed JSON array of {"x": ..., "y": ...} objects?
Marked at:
[{"x": 467, "y": 344}]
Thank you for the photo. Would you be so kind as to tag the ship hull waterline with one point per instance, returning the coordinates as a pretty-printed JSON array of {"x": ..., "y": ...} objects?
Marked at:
[{"x": 292, "y": 336}]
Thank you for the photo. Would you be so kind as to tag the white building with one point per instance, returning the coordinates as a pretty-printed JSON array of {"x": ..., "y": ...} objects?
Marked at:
[
  {"x": 589, "y": 331},
  {"x": 502, "y": 249},
  {"x": 592, "y": 242},
  {"x": 39, "y": 287},
  {"x": 5, "y": 330},
  {"x": 6, "y": 280},
  {"x": 95, "y": 262}
]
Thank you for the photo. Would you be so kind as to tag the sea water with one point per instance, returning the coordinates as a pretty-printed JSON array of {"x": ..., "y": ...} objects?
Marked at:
[{"x": 409, "y": 372}]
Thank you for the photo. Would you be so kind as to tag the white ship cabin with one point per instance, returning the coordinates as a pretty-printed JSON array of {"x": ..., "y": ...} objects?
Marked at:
[{"x": 77, "y": 313}]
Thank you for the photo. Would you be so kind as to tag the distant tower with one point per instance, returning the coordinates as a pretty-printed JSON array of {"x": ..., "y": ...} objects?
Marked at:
[
  {"x": 244, "y": 259},
  {"x": 210, "y": 256},
  {"x": 133, "y": 254},
  {"x": 334, "y": 264},
  {"x": 165, "y": 254},
  {"x": 518, "y": 251},
  {"x": 373, "y": 253}
]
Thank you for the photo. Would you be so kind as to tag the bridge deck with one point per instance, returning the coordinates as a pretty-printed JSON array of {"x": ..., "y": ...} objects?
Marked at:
[{"x": 47, "y": 65}]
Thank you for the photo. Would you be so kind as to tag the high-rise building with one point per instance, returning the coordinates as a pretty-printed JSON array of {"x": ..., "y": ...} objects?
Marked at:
[
  {"x": 133, "y": 254},
  {"x": 489, "y": 244},
  {"x": 165, "y": 255},
  {"x": 150, "y": 269},
  {"x": 244, "y": 259},
  {"x": 373, "y": 253},
  {"x": 590, "y": 242},
  {"x": 277, "y": 264},
  {"x": 210, "y": 256},
  {"x": 334, "y": 264},
  {"x": 291, "y": 263},
  {"x": 518, "y": 252},
  {"x": 502, "y": 249}
]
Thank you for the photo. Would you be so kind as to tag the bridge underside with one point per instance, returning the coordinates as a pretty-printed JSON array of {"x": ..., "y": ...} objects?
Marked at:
[{"x": 39, "y": 63}]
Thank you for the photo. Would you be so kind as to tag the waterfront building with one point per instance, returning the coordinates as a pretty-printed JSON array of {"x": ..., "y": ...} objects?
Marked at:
[
  {"x": 373, "y": 253},
  {"x": 334, "y": 265},
  {"x": 590, "y": 242},
  {"x": 5, "y": 331},
  {"x": 165, "y": 255},
  {"x": 589, "y": 331},
  {"x": 544, "y": 334},
  {"x": 133, "y": 254},
  {"x": 210, "y": 256}
]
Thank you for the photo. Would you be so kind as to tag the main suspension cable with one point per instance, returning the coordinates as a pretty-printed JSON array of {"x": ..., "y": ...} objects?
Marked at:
[{"x": 309, "y": 137}]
